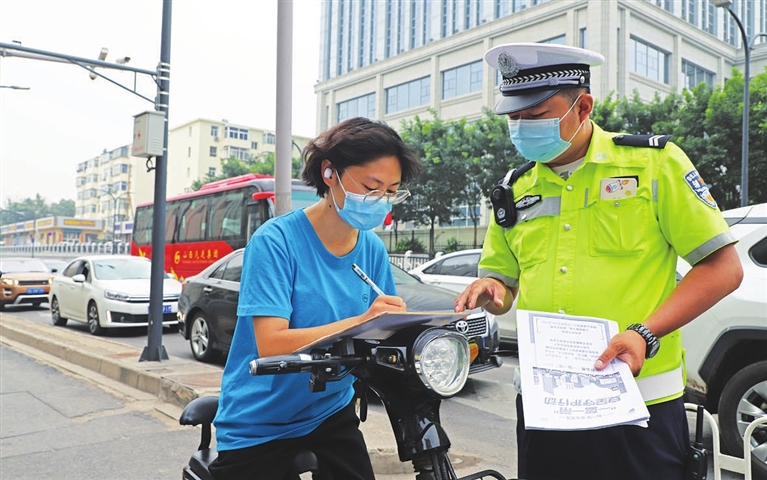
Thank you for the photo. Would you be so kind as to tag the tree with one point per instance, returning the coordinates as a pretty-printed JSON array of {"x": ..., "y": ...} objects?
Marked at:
[
  {"x": 34, "y": 208},
  {"x": 234, "y": 167}
]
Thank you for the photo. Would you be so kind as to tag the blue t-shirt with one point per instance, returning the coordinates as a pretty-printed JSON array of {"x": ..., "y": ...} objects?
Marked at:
[{"x": 288, "y": 273}]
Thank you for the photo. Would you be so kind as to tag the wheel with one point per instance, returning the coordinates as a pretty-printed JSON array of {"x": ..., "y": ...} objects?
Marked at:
[
  {"x": 56, "y": 317},
  {"x": 93, "y": 320},
  {"x": 200, "y": 339},
  {"x": 743, "y": 400}
]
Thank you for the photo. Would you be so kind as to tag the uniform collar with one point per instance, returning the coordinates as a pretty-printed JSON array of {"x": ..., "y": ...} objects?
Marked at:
[{"x": 600, "y": 146}]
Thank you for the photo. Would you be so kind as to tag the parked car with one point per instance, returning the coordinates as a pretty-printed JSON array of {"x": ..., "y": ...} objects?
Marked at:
[
  {"x": 109, "y": 291},
  {"x": 25, "y": 281},
  {"x": 208, "y": 310},
  {"x": 455, "y": 271},
  {"x": 726, "y": 347}
]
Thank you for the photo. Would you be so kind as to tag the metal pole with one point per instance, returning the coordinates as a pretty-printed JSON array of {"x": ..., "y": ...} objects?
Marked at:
[
  {"x": 155, "y": 351},
  {"x": 282, "y": 158},
  {"x": 746, "y": 100},
  {"x": 114, "y": 224}
]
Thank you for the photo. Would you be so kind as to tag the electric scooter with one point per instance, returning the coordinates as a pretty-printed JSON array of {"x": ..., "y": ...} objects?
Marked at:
[{"x": 411, "y": 369}]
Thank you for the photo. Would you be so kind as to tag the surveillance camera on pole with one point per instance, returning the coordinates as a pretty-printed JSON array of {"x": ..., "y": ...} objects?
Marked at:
[{"x": 102, "y": 57}]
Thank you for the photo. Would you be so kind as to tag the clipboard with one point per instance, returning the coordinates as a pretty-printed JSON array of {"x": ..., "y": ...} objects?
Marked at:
[{"x": 384, "y": 325}]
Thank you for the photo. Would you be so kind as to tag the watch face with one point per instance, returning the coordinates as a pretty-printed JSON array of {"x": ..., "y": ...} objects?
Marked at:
[{"x": 652, "y": 349}]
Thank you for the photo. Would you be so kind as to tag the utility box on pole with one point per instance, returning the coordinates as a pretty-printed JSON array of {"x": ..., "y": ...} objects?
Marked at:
[{"x": 148, "y": 131}]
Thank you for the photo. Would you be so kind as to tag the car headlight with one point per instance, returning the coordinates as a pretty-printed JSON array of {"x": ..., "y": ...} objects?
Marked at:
[
  {"x": 441, "y": 360},
  {"x": 10, "y": 281},
  {"x": 121, "y": 297}
]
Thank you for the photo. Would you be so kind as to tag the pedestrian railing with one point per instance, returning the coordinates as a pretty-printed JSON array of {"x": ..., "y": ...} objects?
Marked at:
[
  {"x": 65, "y": 250},
  {"x": 408, "y": 260}
]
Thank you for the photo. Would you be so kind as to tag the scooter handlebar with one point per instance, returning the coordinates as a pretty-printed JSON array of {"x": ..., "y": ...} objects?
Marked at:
[{"x": 299, "y": 362}]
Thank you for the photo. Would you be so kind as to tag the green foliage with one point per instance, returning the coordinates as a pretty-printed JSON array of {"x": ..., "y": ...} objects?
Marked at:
[
  {"x": 453, "y": 245},
  {"x": 413, "y": 244},
  {"x": 233, "y": 167},
  {"x": 32, "y": 208}
]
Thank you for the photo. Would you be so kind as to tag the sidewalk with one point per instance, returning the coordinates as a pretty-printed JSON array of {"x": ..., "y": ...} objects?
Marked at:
[{"x": 174, "y": 381}]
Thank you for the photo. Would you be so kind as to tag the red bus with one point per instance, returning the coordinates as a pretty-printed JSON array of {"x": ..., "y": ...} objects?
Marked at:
[{"x": 203, "y": 226}]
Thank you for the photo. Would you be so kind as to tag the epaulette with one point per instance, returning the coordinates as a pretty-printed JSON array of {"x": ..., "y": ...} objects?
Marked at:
[{"x": 651, "y": 141}]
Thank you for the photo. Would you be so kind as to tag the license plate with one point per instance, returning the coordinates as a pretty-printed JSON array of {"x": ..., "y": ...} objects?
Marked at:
[
  {"x": 165, "y": 309},
  {"x": 32, "y": 291}
]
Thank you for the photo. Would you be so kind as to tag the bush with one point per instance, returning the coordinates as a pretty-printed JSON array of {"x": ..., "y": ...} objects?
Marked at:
[
  {"x": 453, "y": 245},
  {"x": 412, "y": 244}
]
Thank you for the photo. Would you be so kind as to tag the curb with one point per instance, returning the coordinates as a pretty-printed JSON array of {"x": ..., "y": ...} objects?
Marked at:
[{"x": 114, "y": 360}]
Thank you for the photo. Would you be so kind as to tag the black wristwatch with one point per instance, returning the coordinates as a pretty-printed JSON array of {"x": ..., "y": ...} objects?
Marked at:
[{"x": 653, "y": 344}]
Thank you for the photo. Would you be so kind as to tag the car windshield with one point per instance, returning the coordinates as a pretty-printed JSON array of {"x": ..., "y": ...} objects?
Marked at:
[
  {"x": 122, "y": 269},
  {"x": 22, "y": 265},
  {"x": 401, "y": 277}
]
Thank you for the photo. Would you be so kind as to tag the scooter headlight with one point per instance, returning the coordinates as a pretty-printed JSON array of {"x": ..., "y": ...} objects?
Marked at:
[{"x": 441, "y": 360}]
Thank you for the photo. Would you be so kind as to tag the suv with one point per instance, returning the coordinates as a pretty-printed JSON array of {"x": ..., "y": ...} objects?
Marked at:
[
  {"x": 25, "y": 281},
  {"x": 726, "y": 347}
]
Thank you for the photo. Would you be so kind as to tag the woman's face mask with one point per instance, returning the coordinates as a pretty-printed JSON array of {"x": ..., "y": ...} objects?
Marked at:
[
  {"x": 539, "y": 140},
  {"x": 357, "y": 213}
]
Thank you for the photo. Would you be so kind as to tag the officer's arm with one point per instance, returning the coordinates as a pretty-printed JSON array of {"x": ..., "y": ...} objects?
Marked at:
[{"x": 709, "y": 281}]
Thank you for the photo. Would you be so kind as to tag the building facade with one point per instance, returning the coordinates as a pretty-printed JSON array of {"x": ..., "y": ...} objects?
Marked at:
[
  {"x": 196, "y": 148},
  {"x": 394, "y": 59},
  {"x": 110, "y": 185}
]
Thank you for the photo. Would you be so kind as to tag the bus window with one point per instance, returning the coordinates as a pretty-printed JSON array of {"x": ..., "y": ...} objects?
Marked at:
[
  {"x": 257, "y": 215},
  {"x": 226, "y": 215},
  {"x": 142, "y": 227},
  {"x": 171, "y": 222},
  {"x": 193, "y": 221}
]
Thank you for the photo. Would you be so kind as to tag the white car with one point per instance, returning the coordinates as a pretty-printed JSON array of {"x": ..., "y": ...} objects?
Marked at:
[
  {"x": 455, "y": 271},
  {"x": 726, "y": 347},
  {"x": 109, "y": 291}
]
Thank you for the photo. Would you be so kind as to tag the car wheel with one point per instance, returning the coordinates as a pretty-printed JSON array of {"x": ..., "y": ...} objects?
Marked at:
[
  {"x": 56, "y": 317},
  {"x": 743, "y": 400},
  {"x": 93, "y": 320},
  {"x": 200, "y": 339}
]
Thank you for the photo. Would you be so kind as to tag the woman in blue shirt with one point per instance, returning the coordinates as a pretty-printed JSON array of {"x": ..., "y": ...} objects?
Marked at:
[{"x": 297, "y": 286}]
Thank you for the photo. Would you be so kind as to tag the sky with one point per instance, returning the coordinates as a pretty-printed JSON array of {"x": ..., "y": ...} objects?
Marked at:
[{"x": 223, "y": 66}]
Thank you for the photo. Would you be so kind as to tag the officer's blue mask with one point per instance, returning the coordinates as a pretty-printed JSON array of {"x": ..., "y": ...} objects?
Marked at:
[
  {"x": 361, "y": 211},
  {"x": 539, "y": 140}
]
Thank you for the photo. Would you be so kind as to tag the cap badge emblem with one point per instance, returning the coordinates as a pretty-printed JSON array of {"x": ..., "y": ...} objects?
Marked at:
[{"x": 507, "y": 65}]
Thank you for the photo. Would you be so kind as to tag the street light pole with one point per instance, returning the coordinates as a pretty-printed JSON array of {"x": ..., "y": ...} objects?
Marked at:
[{"x": 747, "y": 47}]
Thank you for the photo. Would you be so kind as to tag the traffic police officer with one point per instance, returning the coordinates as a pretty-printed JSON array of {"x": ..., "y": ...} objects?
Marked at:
[{"x": 594, "y": 227}]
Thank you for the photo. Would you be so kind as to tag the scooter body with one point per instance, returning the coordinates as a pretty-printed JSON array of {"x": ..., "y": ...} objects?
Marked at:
[{"x": 411, "y": 371}]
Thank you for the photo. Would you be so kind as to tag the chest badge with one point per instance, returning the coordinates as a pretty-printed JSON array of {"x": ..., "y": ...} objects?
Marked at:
[{"x": 617, "y": 188}]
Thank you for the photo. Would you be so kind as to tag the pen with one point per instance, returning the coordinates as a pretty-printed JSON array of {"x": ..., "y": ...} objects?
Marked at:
[{"x": 366, "y": 279}]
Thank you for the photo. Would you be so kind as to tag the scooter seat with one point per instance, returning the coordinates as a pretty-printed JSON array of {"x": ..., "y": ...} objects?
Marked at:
[{"x": 200, "y": 461}]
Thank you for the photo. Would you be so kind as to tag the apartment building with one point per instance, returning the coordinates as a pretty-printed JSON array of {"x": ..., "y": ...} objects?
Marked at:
[
  {"x": 110, "y": 185},
  {"x": 195, "y": 149}
]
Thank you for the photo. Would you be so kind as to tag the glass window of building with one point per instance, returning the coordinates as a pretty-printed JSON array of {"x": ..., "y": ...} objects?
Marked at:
[
  {"x": 648, "y": 60},
  {"x": 238, "y": 153},
  {"x": 211, "y": 171},
  {"x": 213, "y": 151},
  {"x": 462, "y": 80},
  {"x": 408, "y": 95},
  {"x": 693, "y": 75},
  {"x": 236, "y": 133},
  {"x": 363, "y": 106},
  {"x": 254, "y": 145},
  {"x": 214, "y": 130},
  {"x": 268, "y": 138},
  {"x": 558, "y": 40}
]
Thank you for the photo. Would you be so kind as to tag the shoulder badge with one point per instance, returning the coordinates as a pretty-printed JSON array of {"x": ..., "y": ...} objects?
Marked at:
[
  {"x": 699, "y": 187},
  {"x": 651, "y": 141}
]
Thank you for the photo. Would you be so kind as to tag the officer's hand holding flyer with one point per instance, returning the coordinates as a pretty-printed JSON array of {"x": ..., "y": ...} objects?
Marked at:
[{"x": 562, "y": 389}]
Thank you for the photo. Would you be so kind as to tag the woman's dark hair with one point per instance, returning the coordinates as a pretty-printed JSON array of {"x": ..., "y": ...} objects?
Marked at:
[{"x": 356, "y": 141}]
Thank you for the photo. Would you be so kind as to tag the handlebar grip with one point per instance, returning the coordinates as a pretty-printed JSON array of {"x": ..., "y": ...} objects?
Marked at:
[{"x": 299, "y": 362}]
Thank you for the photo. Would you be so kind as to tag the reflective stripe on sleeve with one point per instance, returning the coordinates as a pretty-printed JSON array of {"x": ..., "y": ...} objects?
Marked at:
[
  {"x": 662, "y": 385},
  {"x": 709, "y": 247}
]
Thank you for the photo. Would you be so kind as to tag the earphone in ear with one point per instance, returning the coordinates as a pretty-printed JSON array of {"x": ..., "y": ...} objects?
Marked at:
[{"x": 328, "y": 173}]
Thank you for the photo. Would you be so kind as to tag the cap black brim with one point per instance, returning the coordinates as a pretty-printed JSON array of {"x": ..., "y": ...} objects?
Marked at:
[{"x": 517, "y": 103}]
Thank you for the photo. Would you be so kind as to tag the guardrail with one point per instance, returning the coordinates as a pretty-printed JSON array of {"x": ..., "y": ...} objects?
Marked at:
[
  {"x": 409, "y": 260},
  {"x": 65, "y": 250}
]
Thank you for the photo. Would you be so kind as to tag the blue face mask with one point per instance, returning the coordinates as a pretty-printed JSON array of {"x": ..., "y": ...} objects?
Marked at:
[
  {"x": 359, "y": 214},
  {"x": 539, "y": 140}
]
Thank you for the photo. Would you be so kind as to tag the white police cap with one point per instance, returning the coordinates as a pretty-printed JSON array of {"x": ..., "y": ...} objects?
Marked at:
[{"x": 533, "y": 72}]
